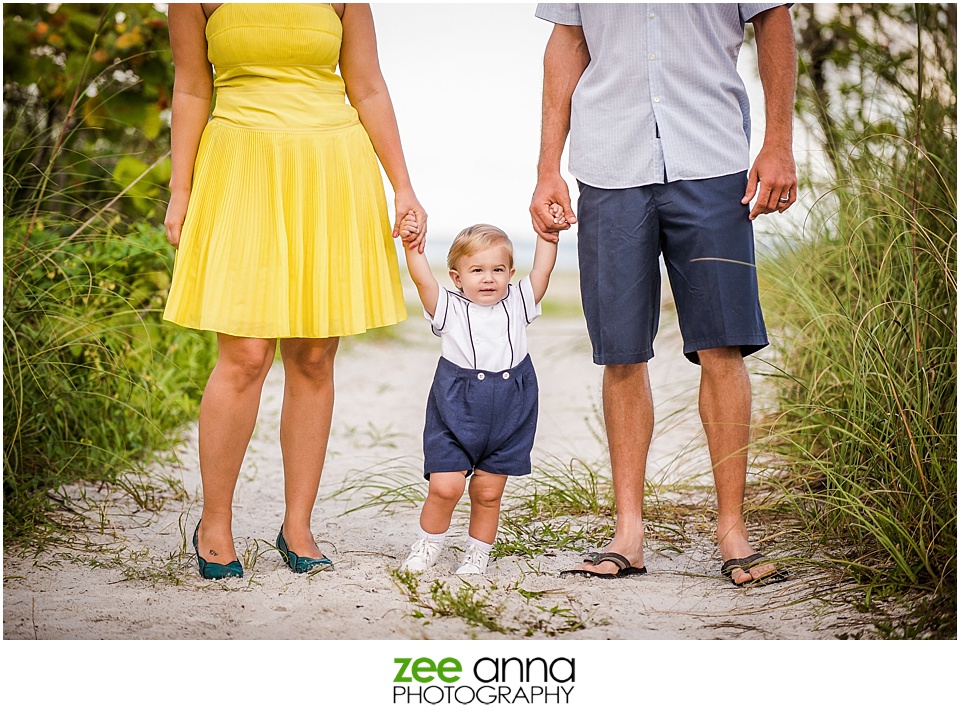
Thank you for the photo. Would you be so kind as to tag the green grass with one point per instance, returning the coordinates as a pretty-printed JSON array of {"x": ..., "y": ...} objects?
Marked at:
[
  {"x": 94, "y": 382},
  {"x": 865, "y": 433},
  {"x": 511, "y": 611}
]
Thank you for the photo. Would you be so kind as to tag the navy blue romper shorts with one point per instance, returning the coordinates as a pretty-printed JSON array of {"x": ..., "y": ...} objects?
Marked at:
[{"x": 478, "y": 419}]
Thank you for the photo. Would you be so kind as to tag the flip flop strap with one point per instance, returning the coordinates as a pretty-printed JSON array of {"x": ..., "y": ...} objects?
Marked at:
[
  {"x": 619, "y": 560},
  {"x": 741, "y": 562}
]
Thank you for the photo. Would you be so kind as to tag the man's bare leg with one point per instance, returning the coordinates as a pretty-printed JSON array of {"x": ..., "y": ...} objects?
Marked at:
[
  {"x": 725, "y": 399},
  {"x": 628, "y": 418}
]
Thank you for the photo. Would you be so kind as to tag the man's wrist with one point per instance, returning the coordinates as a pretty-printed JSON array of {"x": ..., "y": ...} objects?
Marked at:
[
  {"x": 779, "y": 141},
  {"x": 547, "y": 169}
]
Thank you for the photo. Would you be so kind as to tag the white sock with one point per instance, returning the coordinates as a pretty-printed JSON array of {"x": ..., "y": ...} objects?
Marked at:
[
  {"x": 482, "y": 546},
  {"x": 422, "y": 534}
]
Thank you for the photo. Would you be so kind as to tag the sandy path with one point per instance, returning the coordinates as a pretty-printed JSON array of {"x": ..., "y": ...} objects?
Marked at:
[{"x": 144, "y": 585}]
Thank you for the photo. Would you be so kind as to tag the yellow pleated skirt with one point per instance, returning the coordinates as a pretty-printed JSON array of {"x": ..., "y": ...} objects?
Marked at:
[{"x": 287, "y": 234}]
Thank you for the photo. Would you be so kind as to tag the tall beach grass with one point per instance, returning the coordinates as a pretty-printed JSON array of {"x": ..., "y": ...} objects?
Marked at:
[
  {"x": 866, "y": 307},
  {"x": 93, "y": 381}
]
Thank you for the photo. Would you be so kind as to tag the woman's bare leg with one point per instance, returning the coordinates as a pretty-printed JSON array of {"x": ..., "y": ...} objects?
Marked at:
[
  {"x": 228, "y": 413},
  {"x": 304, "y": 432}
]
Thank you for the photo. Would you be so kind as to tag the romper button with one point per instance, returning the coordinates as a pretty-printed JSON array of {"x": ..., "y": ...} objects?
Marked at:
[
  {"x": 480, "y": 376},
  {"x": 506, "y": 375}
]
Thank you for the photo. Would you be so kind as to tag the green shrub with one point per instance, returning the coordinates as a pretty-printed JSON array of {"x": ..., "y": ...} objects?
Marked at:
[{"x": 94, "y": 381}]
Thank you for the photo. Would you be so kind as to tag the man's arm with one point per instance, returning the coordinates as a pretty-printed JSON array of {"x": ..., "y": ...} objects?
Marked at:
[
  {"x": 774, "y": 170},
  {"x": 564, "y": 61}
]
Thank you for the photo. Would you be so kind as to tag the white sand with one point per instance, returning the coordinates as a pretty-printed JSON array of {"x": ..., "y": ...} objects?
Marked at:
[{"x": 144, "y": 584}]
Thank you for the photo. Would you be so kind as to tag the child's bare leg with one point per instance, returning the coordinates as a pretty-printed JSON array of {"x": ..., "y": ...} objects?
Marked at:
[
  {"x": 486, "y": 491},
  {"x": 446, "y": 489}
]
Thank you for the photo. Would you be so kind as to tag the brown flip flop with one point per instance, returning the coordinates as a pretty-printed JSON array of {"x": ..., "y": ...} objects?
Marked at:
[
  {"x": 745, "y": 563},
  {"x": 625, "y": 569}
]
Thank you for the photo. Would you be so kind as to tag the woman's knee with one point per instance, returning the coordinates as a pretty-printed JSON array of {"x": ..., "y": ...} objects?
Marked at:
[
  {"x": 245, "y": 362},
  {"x": 312, "y": 359}
]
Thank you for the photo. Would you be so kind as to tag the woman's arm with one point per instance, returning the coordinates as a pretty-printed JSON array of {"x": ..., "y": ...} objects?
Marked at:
[
  {"x": 367, "y": 91},
  {"x": 192, "y": 93},
  {"x": 544, "y": 259}
]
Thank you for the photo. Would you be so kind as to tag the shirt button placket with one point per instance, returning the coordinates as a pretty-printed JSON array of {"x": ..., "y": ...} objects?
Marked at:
[
  {"x": 652, "y": 45},
  {"x": 653, "y": 73}
]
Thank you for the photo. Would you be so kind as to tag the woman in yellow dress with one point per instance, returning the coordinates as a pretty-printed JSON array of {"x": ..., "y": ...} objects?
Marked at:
[{"x": 279, "y": 216}]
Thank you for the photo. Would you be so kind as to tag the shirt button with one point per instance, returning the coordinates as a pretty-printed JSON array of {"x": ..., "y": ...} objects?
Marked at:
[
  {"x": 506, "y": 375},
  {"x": 656, "y": 99},
  {"x": 652, "y": 56},
  {"x": 480, "y": 376},
  {"x": 651, "y": 16}
]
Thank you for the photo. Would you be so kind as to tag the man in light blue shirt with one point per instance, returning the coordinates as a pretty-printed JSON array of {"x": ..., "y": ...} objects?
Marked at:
[{"x": 659, "y": 127}]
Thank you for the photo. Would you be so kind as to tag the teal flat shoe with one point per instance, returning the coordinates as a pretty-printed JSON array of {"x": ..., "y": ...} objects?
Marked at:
[
  {"x": 214, "y": 570},
  {"x": 301, "y": 564}
]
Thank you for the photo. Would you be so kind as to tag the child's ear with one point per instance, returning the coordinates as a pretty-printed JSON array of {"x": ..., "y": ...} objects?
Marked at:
[
  {"x": 456, "y": 278},
  {"x": 512, "y": 272}
]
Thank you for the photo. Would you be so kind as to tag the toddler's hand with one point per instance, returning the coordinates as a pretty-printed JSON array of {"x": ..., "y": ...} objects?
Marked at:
[
  {"x": 556, "y": 212},
  {"x": 409, "y": 228}
]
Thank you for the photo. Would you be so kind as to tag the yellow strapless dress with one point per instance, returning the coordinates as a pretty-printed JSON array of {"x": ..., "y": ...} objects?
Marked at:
[{"x": 287, "y": 232}]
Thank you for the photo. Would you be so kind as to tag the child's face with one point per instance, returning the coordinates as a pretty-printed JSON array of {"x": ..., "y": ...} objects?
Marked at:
[{"x": 483, "y": 277}]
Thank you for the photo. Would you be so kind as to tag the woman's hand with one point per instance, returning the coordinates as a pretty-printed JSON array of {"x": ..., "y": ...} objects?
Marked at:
[
  {"x": 176, "y": 213},
  {"x": 407, "y": 204}
]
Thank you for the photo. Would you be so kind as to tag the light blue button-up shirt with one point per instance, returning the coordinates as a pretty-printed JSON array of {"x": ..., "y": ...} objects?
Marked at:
[{"x": 661, "y": 96}]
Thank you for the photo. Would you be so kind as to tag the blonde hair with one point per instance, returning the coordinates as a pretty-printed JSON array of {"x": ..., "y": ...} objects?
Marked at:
[{"x": 477, "y": 238}]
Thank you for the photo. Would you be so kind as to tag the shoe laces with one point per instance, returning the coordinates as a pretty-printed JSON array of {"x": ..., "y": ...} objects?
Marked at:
[
  {"x": 425, "y": 548},
  {"x": 475, "y": 556}
]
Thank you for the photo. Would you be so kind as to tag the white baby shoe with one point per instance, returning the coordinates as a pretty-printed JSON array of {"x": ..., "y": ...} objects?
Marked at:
[
  {"x": 423, "y": 554},
  {"x": 474, "y": 562}
]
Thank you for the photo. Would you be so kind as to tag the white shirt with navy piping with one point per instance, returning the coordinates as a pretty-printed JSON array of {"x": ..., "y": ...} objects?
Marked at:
[{"x": 490, "y": 338}]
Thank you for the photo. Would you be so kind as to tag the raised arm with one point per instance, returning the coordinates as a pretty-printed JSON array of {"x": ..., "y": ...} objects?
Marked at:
[
  {"x": 192, "y": 94},
  {"x": 564, "y": 61},
  {"x": 367, "y": 91},
  {"x": 544, "y": 259},
  {"x": 774, "y": 170},
  {"x": 418, "y": 266}
]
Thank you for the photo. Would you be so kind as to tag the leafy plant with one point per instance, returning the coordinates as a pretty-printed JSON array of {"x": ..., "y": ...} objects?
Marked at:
[{"x": 86, "y": 94}]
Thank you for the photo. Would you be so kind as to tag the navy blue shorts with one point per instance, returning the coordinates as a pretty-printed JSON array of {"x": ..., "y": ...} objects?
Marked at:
[
  {"x": 706, "y": 238},
  {"x": 480, "y": 420}
]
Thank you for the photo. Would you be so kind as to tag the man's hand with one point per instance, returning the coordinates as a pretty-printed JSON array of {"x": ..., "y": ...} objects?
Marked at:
[
  {"x": 550, "y": 209},
  {"x": 774, "y": 173},
  {"x": 773, "y": 181}
]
